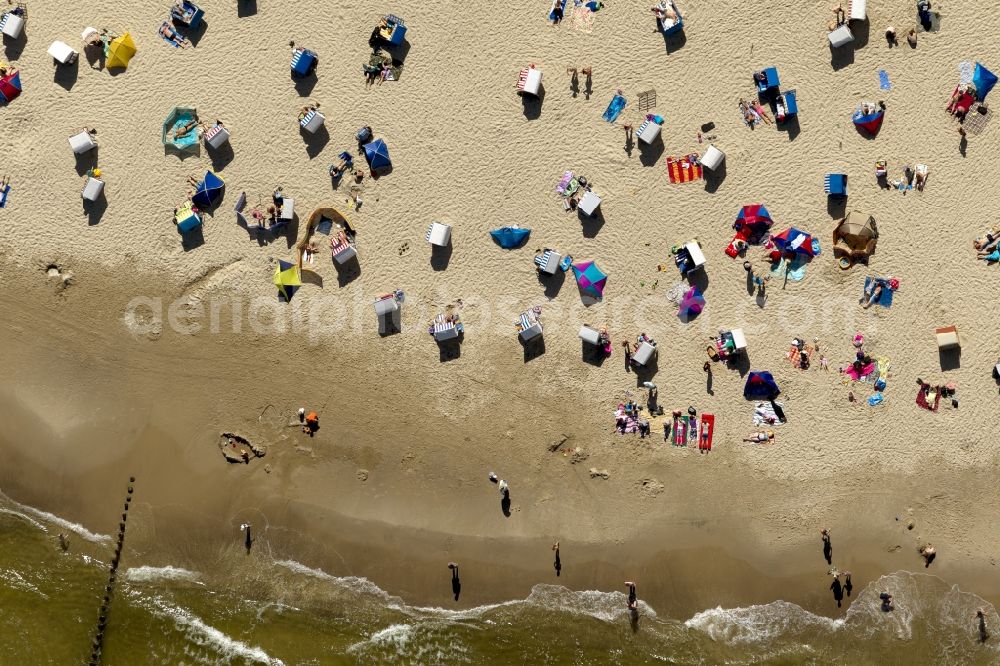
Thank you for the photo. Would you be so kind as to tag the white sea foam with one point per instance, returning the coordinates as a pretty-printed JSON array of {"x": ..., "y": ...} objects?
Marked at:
[
  {"x": 53, "y": 519},
  {"x": 148, "y": 574},
  {"x": 207, "y": 636},
  {"x": 394, "y": 636},
  {"x": 759, "y": 623},
  {"x": 26, "y": 517}
]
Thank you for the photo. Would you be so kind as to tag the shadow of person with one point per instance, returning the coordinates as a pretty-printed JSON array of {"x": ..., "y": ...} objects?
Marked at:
[
  {"x": 633, "y": 619},
  {"x": 574, "y": 84},
  {"x": 588, "y": 87},
  {"x": 456, "y": 582},
  {"x": 248, "y": 542},
  {"x": 505, "y": 505},
  {"x": 828, "y": 552},
  {"x": 558, "y": 563}
]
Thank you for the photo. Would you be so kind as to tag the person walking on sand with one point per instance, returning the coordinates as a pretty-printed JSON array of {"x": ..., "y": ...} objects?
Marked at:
[
  {"x": 558, "y": 563},
  {"x": 929, "y": 553},
  {"x": 838, "y": 589},
  {"x": 983, "y": 634},
  {"x": 847, "y": 583},
  {"x": 633, "y": 601},
  {"x": 827, "y": 546}
]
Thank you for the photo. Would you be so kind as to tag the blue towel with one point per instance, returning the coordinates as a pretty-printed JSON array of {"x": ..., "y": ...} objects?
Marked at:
[
  {"x": 3, "y": 196},
  {"x": 885, "y": 298},
  {"x": 552, "y": 14},
  {"x": 883, "y": 80},
  {"x": 617, "y": 104},
  {"x": 875, "y": 399}
]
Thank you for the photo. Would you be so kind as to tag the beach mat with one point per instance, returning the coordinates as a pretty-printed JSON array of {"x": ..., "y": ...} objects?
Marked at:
[
  {"x": 884, "y": 299},
  {"x": 685, "y": 169},
  {"x": 707, "y": 431},
  {"x": 614, "y": 108},
  {"x": 883, "y": 80}
]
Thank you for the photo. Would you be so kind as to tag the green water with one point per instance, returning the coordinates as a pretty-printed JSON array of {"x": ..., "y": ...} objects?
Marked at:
[{"x": 282, "y": 612}]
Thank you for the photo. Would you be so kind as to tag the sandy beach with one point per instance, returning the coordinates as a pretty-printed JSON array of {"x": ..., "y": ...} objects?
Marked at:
[{"x": 141, "y": 351}]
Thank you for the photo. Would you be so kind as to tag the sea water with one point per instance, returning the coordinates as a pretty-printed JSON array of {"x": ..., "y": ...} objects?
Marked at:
[{"x": 286, "y": 612}]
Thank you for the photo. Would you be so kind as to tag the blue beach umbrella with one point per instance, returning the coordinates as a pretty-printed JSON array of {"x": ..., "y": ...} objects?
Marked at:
[
  {"x": 377, "y": 154},
  {"x": 510, "y": 237},
  {"x": 209, "y": 191}
]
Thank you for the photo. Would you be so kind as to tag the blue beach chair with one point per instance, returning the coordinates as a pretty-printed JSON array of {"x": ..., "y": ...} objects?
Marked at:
[
  {"x": 303, "y": 62},
  {"x": 835, "y": 184},
  {"x": 767, "y": 80}
]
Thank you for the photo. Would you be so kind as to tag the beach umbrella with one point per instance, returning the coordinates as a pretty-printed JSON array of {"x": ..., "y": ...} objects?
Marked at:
[
  {"x": 510, "y": 237},
  {"x": 179, "y": 118},
  {"x": 794, "y": 241},
  {"x": 857, "y": 232},
  {"x": 753, "y": 221},
  {"x": 870, "y": 122},
  {"x": 590, "y": 279},
  {"x": 10, "y": 86},
  {"x": 287, "y": 279},
  {"x": 377, "y": 154},
  {"x": 691, "y": 305},
  {"x": 209, "y": 191},
  {"x": 760, "y": 386},
  {"x": 984, "y": 80},
  {"x": 120, "y": 51}
]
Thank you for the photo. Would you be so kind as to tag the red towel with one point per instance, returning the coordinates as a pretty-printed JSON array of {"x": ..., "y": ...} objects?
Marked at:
[
  {"x": 922, "y": 400},
  {"x": 685, "y": 169}
]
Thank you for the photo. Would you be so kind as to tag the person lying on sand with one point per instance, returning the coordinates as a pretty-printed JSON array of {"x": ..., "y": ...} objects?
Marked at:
[
  {"x": 989, "y": 239},
  {"x": 173, "y": 36},
  {"x": 873, "y": 292},
  {"x": 761, "y": 437}
]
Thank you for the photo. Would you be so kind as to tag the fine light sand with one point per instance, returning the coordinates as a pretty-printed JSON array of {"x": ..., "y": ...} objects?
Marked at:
[{"x": 94, "y": 392}]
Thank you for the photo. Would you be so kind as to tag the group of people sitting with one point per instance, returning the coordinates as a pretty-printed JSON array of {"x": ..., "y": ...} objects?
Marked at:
[{"x": 988, "y": 245}]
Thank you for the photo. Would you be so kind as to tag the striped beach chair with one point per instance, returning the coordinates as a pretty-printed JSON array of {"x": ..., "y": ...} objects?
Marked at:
[
  {"x": 438, "y": 234},
  {"x": 835, "y": 184},
  {"x": 443, "y": 330},
  {"x": 548, "y": 261},
  {"x": 529, "y": 80},
  {"x": 312, "y": 121}
]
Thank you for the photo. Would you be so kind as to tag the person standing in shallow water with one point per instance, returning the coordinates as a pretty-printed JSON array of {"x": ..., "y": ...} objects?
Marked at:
[
  {"x": 827, "y": 546},
  {"x": 633, "y": 601}
]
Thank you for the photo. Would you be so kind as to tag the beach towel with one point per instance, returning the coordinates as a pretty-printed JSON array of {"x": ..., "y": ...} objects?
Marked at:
[
  {"x": 680, "y": 431},
  {"x": 865, "y": 371},
  {"x": 965, "y": 72},
  {"x": 875, "y": 399},
  {"x": 583, "y": 19},
  {"x": 794, "y": 270},
  {"x": 685, "y": 169},
  {"x": 707, "y": 431},
  {"x": 614, "y": 108},
  {"x": 566, "y": 184},
  {"x": 883, "y": 80},
  {"x": 3, "y": 196},
  {"x": 922, "y": 399},
  {"x": 764, "y": 414},
  {"x": 175, "y": 40},
  {"x": 885, "y": 299}
]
